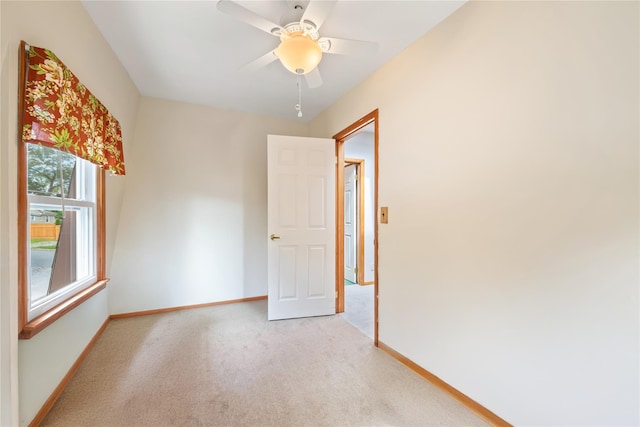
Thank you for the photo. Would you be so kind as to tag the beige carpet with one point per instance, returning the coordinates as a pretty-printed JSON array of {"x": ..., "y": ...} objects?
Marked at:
[
  {"x": 228, "y": 366},
  {"x": 358, "y": 307}
]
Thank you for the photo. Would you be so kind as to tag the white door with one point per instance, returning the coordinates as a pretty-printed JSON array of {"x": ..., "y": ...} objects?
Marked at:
[
  {"x": 350, "y": 237},
  {"x": 301, "y": 227}
]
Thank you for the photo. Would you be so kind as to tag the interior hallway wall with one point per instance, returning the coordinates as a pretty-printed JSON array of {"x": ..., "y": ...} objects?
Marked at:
[
  {"x": 509, "y": 162},
  {"x": 39, "y": 364},
  {"x": 194, "y": 219}
]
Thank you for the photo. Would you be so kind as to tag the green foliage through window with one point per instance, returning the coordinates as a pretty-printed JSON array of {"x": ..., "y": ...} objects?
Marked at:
[{"x": 44, "y": 166}]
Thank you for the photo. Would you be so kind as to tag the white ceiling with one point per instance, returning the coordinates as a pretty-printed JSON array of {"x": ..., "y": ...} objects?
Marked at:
[{"x": 189, "y": 51}]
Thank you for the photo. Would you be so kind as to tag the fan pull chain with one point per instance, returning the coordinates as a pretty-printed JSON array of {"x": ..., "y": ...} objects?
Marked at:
[{"x": 299, "y": 104}]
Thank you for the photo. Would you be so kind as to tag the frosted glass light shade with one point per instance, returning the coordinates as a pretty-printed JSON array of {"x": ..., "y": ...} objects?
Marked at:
[{"x": 299, "y": 52}]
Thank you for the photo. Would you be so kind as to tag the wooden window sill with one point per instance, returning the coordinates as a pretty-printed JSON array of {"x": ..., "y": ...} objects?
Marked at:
[{"x": 39, "y": 323}]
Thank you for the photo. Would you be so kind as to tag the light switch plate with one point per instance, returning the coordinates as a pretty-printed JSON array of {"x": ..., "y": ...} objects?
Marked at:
[{"x": 384, "y": 215}]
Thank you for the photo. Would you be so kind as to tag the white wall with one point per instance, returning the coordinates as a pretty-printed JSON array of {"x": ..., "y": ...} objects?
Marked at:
[
  {"x": 65, "y": 28},
  {"x": 361, "y": 146},
  {"x": 194, "y": 220},
  {"x": 509, "y": 162}
]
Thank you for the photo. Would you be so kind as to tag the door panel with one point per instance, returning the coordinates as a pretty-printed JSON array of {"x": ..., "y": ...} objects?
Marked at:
[
  {"x": 350, "y": 227},
  {"x": 287, "y": 201},
  {"x": 317, "y": 261},
  {"x": 301, "y": 224},
  {"x": 317, "y": 198},
  {"x": 287, "y": 289}
]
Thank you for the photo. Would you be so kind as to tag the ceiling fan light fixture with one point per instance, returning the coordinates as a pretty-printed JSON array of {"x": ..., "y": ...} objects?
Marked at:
[{"x": 298, "y": 52}]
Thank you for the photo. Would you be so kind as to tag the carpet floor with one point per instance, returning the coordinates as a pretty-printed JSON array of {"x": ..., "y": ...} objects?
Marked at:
[
  {"x": 358, "y": 308},
  {"x": 228, "y": 366}
]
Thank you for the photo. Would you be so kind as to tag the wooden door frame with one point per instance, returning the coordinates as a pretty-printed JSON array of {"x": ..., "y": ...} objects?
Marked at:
[
  {"x": 340, "y": 138},
  {"x": 360, "y": 165}
]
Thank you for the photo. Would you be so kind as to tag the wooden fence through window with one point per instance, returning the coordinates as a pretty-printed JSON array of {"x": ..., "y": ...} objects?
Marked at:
[{"x": 45, "y": 231}]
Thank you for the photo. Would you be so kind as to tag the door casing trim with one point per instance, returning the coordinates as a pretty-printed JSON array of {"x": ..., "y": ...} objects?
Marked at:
[{"x": 340, "y": 138}]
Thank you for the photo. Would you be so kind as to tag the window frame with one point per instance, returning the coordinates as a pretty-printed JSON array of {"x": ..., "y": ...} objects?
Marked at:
[
  {"x": 83, "y": 200},
  {"x": 29, "y": 328}
]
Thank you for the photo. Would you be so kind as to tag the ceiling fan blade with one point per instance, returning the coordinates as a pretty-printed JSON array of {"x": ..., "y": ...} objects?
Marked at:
[
  {"x": 245, "y": 15},
  {"x": 348, "y": 47},
  {"x": 260, "y": 62},
  {"x": 313, "y": 78},
  {"x": 317, "y": 11}
]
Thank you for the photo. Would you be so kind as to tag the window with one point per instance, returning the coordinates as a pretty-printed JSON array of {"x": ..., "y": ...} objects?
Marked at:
[
  {"x": 61, "y": 193},
  {"x": 61, "y": 236}
]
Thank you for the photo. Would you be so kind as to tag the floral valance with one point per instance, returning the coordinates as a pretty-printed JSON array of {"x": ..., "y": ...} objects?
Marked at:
[{"x": 60, "y": 112}]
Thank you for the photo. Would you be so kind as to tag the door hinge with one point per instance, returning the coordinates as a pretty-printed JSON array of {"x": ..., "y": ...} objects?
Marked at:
[
  {"x": 355, "y": 270},
  {"x": 336, "y": 294}
]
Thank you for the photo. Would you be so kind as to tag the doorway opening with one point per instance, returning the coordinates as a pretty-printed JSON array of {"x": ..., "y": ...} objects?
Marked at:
[{"x": 356, "y": 224}]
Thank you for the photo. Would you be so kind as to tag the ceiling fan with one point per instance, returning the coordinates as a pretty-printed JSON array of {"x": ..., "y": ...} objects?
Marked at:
[{"x": 301, "y": 47}]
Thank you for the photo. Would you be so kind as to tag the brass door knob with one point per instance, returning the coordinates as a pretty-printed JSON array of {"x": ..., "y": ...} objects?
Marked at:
[{"x": 274, "y": 237}]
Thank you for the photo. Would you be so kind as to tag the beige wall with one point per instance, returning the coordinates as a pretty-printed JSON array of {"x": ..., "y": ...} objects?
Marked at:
[
  {"x": 65, "y": 28},
  {"x": 509, "y": 162},
  {"x": 194, "y": 218}
]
